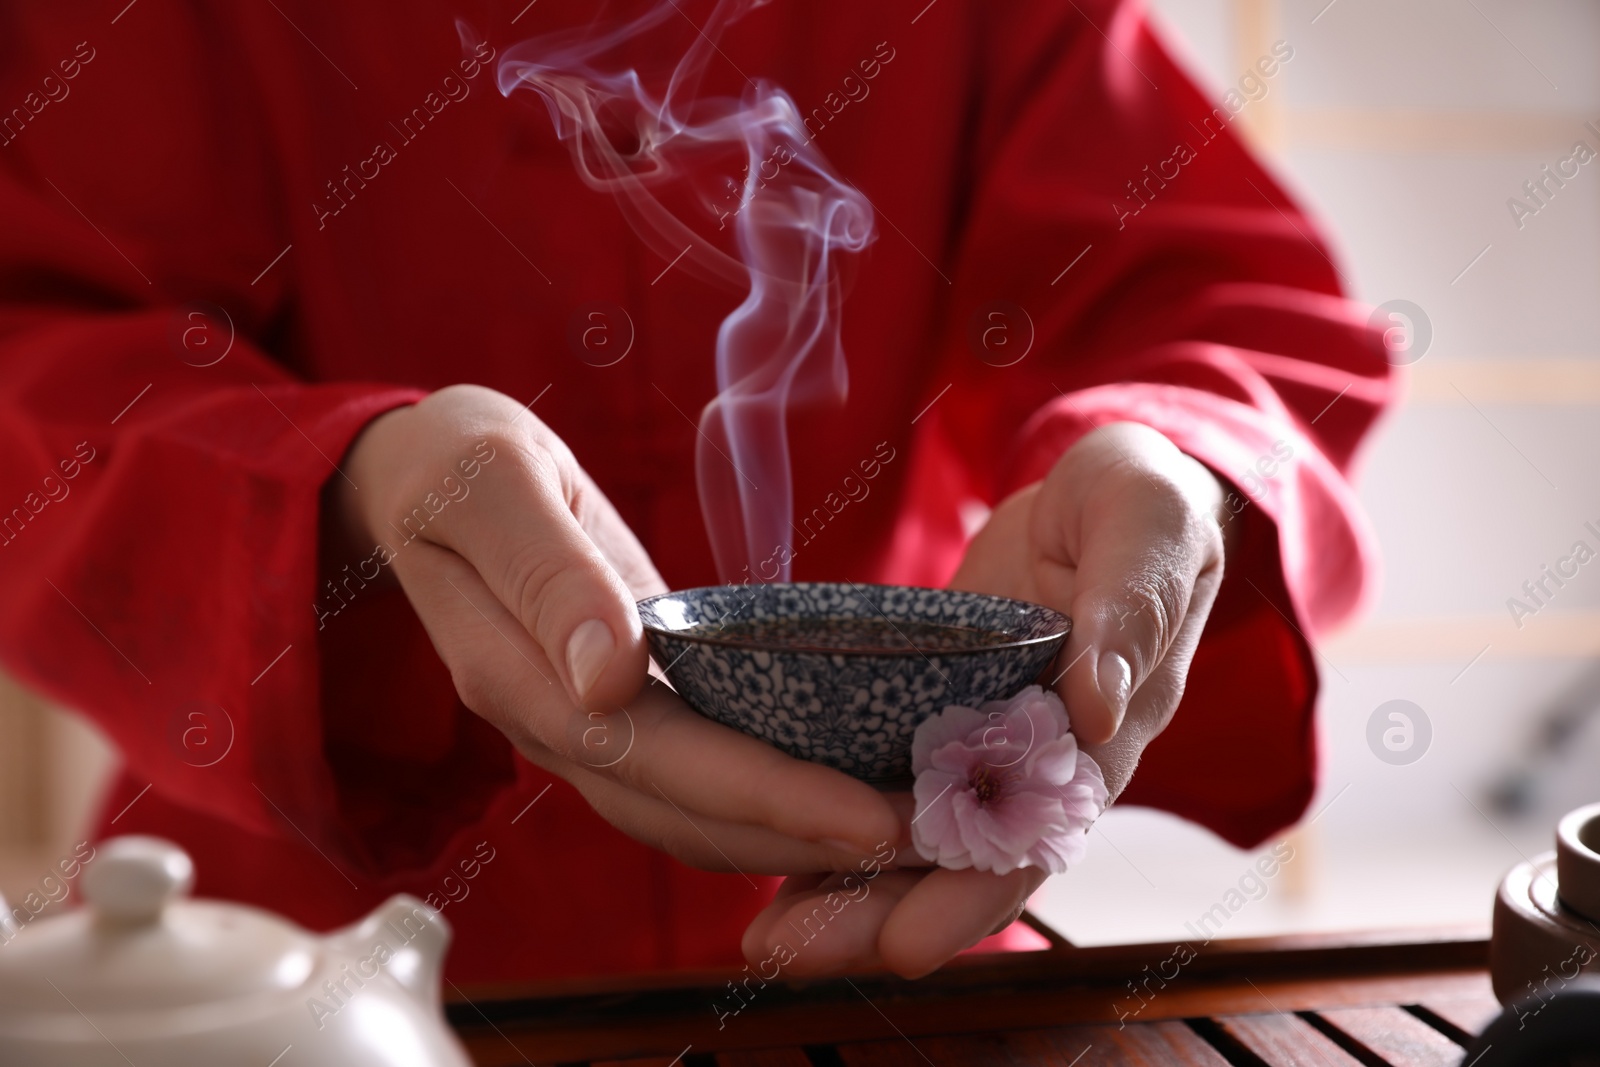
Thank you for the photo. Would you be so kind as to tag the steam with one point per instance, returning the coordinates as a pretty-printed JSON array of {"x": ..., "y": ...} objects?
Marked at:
[{"x": 790, "y": 215}]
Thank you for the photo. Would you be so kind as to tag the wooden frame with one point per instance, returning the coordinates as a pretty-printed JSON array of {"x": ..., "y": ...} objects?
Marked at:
[{"x": 664, "y": 1015}]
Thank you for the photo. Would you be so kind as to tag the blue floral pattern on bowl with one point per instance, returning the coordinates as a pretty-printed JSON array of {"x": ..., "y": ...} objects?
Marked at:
[{"x": 854, "y": 709}]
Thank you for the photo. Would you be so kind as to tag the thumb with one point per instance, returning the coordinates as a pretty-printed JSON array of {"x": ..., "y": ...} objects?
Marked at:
[
  {"x": 1118, "y": 636},
  {"x": 1144, "y": 550},
  {"x": 528, "y": 541}
]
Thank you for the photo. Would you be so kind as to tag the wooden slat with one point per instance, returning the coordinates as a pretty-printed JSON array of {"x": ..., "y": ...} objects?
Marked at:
[
  {"x": 1433, "y": 131},
  {"x": 1365, "y": 953},
  {"x": 835, "y": 1021},
  {"x": 942, "y": 1051},
  {"x": 1535, "y": 381},
  {"x": 1163, "y": 1044},
  {"x": 1457, "y": 638},
  {"x": 1256, "y": 27},
  {"x": 765, "y": 1057},
  {"x": 1002, "y": 992},
  {"x": 1167, "y": 1044},
  {"x": 1469, "y": 1013},
  {"x": 1044, "y": 930},
  {"x": 1285, "y": 1041},
  {"x": 1394, "y": 1036}
]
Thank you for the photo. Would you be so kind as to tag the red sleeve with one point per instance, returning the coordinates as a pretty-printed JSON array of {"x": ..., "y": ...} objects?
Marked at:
[
  {"x": 159, "y": 495},
  {"x": 1164, "y": 277}
]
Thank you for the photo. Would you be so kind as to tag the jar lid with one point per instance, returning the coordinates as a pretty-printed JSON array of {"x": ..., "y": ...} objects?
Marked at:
[{"x": 139, "y": 945}]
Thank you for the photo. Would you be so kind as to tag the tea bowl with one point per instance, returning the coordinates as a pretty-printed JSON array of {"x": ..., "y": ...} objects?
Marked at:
[{"x": 842, "y": 674}]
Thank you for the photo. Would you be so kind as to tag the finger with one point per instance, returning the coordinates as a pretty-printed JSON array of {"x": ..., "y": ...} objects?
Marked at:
[
  {"x": 1153, "y": 705},
  {"x": 949, "y": 911},
  {"x": 616, "y": 541},
  {"x": 796, "y": 884},
  {"x": 1144, "y": 548},
  {"x": 525, "y": 533},
  {"x": 910, "y": 921},
  {"x": 704, "y": 766},
  {"x": 499, "y": 671},
  {"x": 668, "y": 751},
  {"x": 699, "y": 841},
  {"x": 819, "y": 926}
]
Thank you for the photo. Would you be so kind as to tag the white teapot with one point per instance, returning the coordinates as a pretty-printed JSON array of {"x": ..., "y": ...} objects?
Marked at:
[{"x": 141, "y": 976}]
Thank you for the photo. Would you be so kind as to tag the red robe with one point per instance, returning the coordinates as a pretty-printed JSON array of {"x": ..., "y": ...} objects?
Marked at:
[{"x": 159, "y": 518}]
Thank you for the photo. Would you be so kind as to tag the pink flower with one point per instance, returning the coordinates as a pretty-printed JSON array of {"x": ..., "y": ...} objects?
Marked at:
[{"x": 1004, "y": 786}]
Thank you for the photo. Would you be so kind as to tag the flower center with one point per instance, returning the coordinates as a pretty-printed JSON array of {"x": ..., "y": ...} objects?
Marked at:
[{"x": 986, "y": 787}]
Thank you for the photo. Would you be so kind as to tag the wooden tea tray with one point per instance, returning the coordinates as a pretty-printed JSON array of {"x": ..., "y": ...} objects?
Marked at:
[{"x": 1408, "y": 1000}]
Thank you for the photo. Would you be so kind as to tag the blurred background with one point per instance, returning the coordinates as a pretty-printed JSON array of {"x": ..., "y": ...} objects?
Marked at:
[{"x": 1407, "y": 127}]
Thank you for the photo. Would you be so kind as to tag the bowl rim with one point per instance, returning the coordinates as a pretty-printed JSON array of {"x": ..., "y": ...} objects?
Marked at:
[{"x": 1062, "y": 627}]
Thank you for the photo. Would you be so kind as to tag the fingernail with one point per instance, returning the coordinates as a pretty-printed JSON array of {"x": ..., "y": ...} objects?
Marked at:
[
  {"x": 588, "y": 652},
  {"x": 1116, "y": 683}
]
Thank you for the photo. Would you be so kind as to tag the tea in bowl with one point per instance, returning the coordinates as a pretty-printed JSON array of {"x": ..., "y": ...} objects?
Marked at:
[{"x": 843, "y": 674}]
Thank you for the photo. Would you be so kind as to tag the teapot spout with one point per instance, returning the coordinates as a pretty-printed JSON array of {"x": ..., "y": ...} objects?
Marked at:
[{"x": 407, "y": 938}]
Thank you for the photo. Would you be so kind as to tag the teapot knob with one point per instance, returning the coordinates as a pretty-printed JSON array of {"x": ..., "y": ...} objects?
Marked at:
[
  {"x": 133, "y": 877},
  {"x": 1578, "y": 860}
]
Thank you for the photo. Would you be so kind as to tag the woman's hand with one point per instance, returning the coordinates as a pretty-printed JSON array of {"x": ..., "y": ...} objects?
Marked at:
[
  {"x": 526, "y": 581},
  {"x": 1122, "y": 536}
]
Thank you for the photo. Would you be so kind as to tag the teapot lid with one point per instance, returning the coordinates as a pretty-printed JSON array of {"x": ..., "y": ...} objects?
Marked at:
[{"x": 140, "y": 945}]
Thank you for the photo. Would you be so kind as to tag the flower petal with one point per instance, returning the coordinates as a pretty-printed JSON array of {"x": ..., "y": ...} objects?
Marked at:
[
  {"x": 933, "y": 829},
  {"x": 951, "y": 849},
  {"x": 1055, "y": 762},
  {"x": 953, "y": 724},
  {"x": 985, "y": 855},
  {"x": 1040, "y": 792},
  {"x": 1017, "y": 822},
  {"x": 1057, "y": 852},
  {"x": 957, "y": 758}
]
